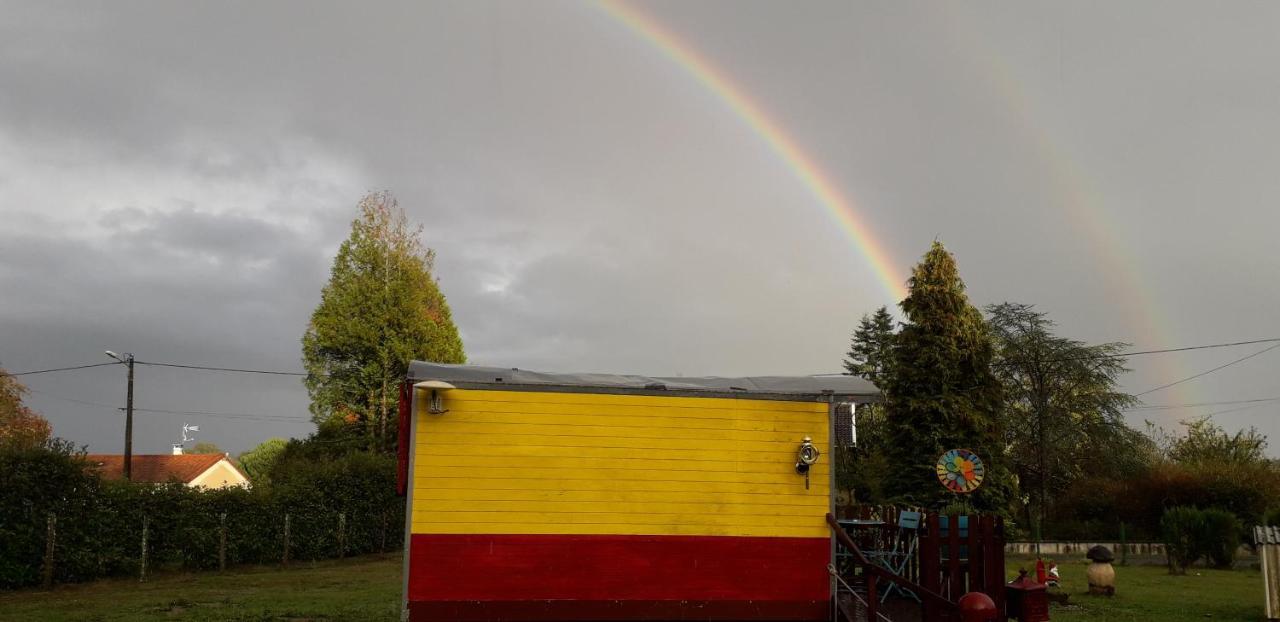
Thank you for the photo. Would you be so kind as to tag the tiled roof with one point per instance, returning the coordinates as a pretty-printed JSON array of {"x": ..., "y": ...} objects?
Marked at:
[{"x": 157, "y": 469}]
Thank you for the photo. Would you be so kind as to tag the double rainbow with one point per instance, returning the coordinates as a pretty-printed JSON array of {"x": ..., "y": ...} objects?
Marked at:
[
  {"x": 828, "y": 195},
  {"x": 1081, "y": 201}
]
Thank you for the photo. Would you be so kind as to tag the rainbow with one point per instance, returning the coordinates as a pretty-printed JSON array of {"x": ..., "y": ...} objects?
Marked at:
[
  {"x": 1082, "y": 202},
  {"x": 1080, "y": 198},
  {"x": 806, "y": 170}
]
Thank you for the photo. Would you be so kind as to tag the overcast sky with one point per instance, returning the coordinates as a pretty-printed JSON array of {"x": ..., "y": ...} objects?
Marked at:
[{"x": 175, "y": 178}]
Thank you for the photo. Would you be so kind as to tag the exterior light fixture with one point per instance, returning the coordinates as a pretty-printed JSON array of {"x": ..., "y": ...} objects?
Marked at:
[
  {"x": 807, "y": 455},
  {"x": 435, "y": 404},
  {"x": 805, "y": 458}
]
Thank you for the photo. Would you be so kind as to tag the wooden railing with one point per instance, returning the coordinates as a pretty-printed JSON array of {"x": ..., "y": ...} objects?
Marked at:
[
  {"x": 965, "y": 558},
  {"x": 954, "y": 555},
  {"x": 934, "y": 606}
]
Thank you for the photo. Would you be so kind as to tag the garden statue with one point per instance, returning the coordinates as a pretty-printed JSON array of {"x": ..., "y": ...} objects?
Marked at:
[{"x": 1102, "y": 577}]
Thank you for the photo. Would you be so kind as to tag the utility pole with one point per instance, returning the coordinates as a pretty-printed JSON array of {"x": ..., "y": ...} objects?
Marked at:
[{"x": 128, "y": 415}]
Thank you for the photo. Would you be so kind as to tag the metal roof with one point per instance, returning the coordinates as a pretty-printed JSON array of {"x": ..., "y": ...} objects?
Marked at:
[
  {"x": 1266, "y": 535},
  {"x": 750, "y": 387}
]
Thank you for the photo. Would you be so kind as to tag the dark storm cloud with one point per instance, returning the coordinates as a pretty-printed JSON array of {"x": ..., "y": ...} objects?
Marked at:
[{"x": 174, "y": 179}]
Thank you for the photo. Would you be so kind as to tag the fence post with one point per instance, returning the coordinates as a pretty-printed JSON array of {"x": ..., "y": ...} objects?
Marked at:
[
  {"x": 382, "y": 547},
  {"x": 977, "y": 578},
  {"x": 342, "y": 534},
  {"x": 930, "y": 557},
  {"x": 953, "y": 558},
  {"x": 50, "y": 538},
  {"x": 222, "y": 542},
  {"x": 142, "y": 574},
  {"x": 285, "y": 560},
  {"x": 1124, "y": 546}
]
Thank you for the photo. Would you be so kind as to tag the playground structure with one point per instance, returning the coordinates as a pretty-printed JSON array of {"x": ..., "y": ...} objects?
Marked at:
[{"x": 537, "y": 496}]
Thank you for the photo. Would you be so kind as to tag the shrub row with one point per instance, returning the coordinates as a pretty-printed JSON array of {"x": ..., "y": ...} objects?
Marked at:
[
  {"x": 1095, "y": 507},
  {"x": 336, "y": 505},
  {"x": 1191, "y": 534}
]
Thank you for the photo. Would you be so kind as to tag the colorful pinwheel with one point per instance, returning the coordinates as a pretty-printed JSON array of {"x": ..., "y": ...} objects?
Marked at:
[{"x": 960, "y": 471}]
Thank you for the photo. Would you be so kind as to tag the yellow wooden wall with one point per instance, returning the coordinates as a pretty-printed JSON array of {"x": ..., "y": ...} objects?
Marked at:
[{"x": 522, "y": 462}]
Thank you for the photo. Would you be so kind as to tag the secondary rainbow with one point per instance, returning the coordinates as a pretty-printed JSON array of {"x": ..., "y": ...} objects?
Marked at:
[
  {"x": 841, "y": 209},
  {"x": 1147, "y": 319}
]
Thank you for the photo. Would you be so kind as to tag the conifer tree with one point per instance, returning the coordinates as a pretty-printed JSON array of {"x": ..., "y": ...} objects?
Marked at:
[
  {"x": 941, "y": 392},
  {"x": 381, "y": 308},
  {"x": 871, "y": 347}
]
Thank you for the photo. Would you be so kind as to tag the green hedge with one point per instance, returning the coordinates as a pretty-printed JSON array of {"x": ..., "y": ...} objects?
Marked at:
[
  {"x": 1191, "y": 534},
  {"x": 99, "y": 524}
]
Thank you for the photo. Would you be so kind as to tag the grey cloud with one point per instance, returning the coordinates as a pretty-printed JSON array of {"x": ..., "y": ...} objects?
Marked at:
[{"x": 596, "y": 208}]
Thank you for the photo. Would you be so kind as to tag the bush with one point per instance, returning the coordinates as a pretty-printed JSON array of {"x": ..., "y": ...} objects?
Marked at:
[
  {"x": 1191, "y": 533},
  {"x": 99, "y": 524},
  {"x": 1139, "y": 501},
  {"x": 1272, "y": 517},
  {"x": 1220, "y": 536},
  {"x": 1182, "y": 528},
  {"x": 39, "y": 481}
]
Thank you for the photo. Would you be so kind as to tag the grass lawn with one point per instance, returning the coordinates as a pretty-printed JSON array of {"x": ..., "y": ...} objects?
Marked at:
[
  {"x": 368, "y": 588},
  {"x": 363, "y": 588},
  {"x": 1148, "y": 592}
]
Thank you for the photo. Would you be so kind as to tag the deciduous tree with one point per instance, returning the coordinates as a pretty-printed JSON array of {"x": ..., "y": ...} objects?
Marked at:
[
  {"x": 205, "y": 447},
  {"x": 1062, "y": 410},
  {"x": 20, "y": 426},
  {"x": 1204, "y": 443},
  {"x": 381, "y": 308},
  {"x": 259, "y": 461}
]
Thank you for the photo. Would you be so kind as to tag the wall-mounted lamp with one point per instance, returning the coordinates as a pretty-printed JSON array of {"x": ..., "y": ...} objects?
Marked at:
[
  {"x": 435, "y": 403},
  {"x": 805, "y": 458}
]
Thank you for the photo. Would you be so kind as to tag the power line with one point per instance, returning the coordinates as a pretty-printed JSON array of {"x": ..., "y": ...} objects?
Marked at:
[
  {"x": 274, "y": 372},
  {"x": 47, "y": 371},
  {"x": 1202, "y": 404},
  {"x": 1088, "y": 357},
  {"x": 225, "y": 369},
  {"x": 207, "y": 413},
  {"x": 1204, "y": 347},
  {"x": 244, "y": 416},
  {"x": 71, "y": 399},
  {"x": 202, "y": 413},
  {"x": 1205, "y": 373},
  {"x": 1231, "y": 410}
]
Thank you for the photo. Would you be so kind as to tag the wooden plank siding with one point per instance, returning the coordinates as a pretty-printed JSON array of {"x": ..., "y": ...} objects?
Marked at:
[
  {"x": 530, "y": 505},
  {"x": 506, "y": 462}
]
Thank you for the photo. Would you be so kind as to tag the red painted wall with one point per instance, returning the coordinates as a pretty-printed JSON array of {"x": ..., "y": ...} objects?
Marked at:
[{"x": 590, "y": 577}]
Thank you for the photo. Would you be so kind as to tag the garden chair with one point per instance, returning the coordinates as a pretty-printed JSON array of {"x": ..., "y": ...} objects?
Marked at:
[{"x": 899, "y": 557}]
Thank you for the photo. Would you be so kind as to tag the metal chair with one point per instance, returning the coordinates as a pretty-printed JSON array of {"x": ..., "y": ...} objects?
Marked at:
[{"x": 904, "y": 549}]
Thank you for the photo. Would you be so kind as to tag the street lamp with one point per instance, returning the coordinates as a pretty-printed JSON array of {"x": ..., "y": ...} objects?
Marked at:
[{"x": 127, "y": 361}]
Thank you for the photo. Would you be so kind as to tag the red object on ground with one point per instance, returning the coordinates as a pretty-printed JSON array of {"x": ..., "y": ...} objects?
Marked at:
[
  {"x": 617, "y": 577},
  {"x": 1040, "y": 576},
  {"x": 1025, "y": 600},
  {"x": 977, "y": 607}
]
